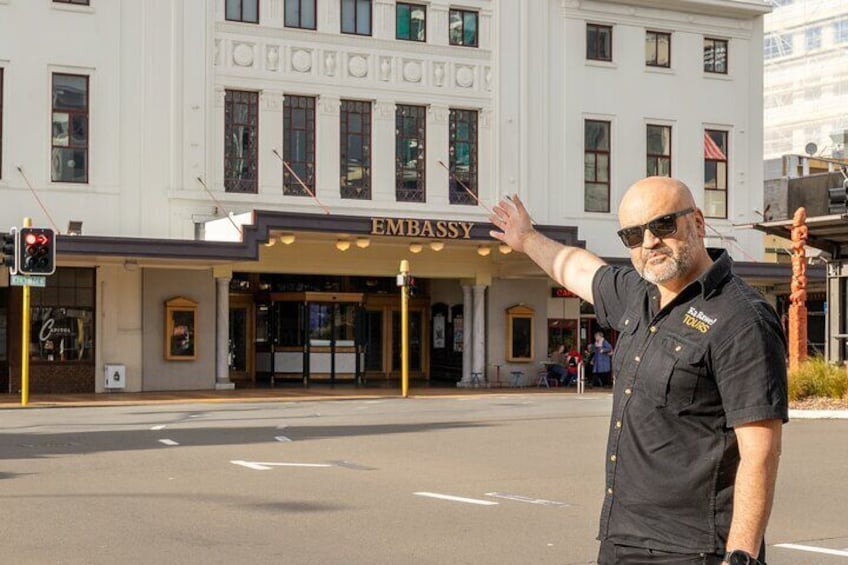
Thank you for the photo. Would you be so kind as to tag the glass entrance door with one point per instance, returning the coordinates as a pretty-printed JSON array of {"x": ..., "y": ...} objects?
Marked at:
[{"x": 239, "y": 357}]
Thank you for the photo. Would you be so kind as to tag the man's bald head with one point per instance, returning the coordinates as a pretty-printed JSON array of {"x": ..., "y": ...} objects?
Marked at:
[{"x": 651, "y": 197}]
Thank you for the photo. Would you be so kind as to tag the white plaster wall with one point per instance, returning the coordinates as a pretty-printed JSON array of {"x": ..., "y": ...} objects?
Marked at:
[{"x": 119, "y": 324}]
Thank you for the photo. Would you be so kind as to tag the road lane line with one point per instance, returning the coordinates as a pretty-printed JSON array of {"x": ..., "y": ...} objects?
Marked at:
[
  {"x": 527, "y": 499},
  {"x": 168, "y": 442},
  {"x": 264, "y": 466},
  {"x": 159, "y": 427},
  {"x": 456, "y": 498},
  {"x": 813, "y": 549},
  {"x": 282, "y": 439}
]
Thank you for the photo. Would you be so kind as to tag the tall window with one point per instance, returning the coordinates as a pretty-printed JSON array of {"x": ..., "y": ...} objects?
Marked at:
[
  {"x": 715, "y": 55},
  {"x": 241, "y": 132},
  {"x": 715, "y": 173},
  {"x": 659, "y": 150},
  {"x": 658, "y": 49},
  {"x": 299, "y": 144},
  {"x": 775, "y": 45},
  {"x": 300, "y": 13},
  {"x": 463, "y": 156},
  {"x": 840, "y": 31},
  {"x": 356, "y": 17},
  {"x": 596, "y": 160},
  {"x": 356, "y": 149},
  {"x": 598, "y": 42},
  {"x": 410, "y": 143},
  {"x": 243, "y": 11},
  {"x": 69, "y": 158},
  {"x": 411, "y": 22},
  {"x": 813, "y": 38},
  {"x": 463, "y": 28}
]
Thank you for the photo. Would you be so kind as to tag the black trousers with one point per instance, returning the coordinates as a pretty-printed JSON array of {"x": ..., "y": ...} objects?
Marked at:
[{"x": 611, "y": 554}]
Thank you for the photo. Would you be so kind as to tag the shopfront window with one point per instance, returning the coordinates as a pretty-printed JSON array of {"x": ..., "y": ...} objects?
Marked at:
[{"x": 62, "y": 317}]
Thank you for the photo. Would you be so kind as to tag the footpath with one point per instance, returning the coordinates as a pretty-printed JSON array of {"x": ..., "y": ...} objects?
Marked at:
[{"x": 297, "y": 393}]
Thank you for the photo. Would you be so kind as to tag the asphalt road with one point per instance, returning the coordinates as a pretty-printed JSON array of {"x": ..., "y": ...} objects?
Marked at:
[{"x": 495, "y": 479}]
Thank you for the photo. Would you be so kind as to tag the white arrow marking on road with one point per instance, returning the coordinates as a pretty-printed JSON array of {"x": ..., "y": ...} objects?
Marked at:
[
  {"x": 282, "y": 439},
  {"x": 160, "y": 427},
  {"x": 456, "y": 498},
  {"x": 812, "y": 549},
  {"x": 261, "y": 466},
  {"x": 527, "y": 499},
  {"x": 168, "y": 442}
]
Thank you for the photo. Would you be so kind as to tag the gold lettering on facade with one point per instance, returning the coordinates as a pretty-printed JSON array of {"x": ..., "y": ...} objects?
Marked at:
[
  {"x": 394, "y": 227},
  {"x": 408, "y": 227}
]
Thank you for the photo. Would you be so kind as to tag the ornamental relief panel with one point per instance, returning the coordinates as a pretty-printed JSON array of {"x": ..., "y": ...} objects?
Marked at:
[
  {"x": 243, "y": 54},
  {"x": 357, "y": 65},
  {"x": 301, "y": 60}
]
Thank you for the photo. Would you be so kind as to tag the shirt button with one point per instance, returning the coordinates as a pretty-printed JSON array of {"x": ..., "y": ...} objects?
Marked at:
[
  {"x": 612, "y": 457},
  {"x": 636, "y": 359},
  {"x": 627, "y": 321},
  {"x": 653, "y": 329},
  {"x": 609, "y": 490},
  {"x": 678, "y": 348},
  {"x": 618, "y": 424},
  {"x": 627, "y": 391}
]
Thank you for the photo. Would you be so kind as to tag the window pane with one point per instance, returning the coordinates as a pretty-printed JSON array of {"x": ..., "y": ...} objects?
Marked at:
[
  {"x": 307, "y": 14},
  {"x": 663, "y": 50},
  {"x": 251, "y": 10},
  {"x": 348, "y": 16},
  {"x": 293, "y": 13},
  {"x": 597, "y": 135},
  {"x": 70, "y": 91},
  {"x": 603, "y": 167},
  {"x": 659, "y": 140},
  {"x": 68, "y": 165},
  {"x": 663, "y": 167},
  {"x": 60, "y": 128},
  {"x": 715, "y": 203},
  {"x": 455, "y": 29},
  {"x": 596, "y": 198},
  {"x": 234, "y": 10},
  {"x": 402, "y": 21},
  {"x": 363, "y": 17},
  {"x": 721, "y": 175},
  {"x": 418, "y": 25},
  {"x": 470, "y": 31},
  {"x": 650, "y": 49},
  {"x": 79, "y": 130},
  {"x": 710, "y": 174},
  {"x": 590, "y": 161}
]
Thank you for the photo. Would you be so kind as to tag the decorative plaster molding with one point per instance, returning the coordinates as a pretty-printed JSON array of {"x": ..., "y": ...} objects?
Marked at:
[
  {"x": 271, "y": 100},
  {"x": 384, "y": 110},
  {"x": 464, "y": 76},
  {"x": 412, "y": 71},
  {"x": 301, "y": 60},
  {"x": 439, "y": 114},
  {"x": 243, "y": 54},
  {"x": 329, "y": 105},
  {"x": 357, "y": 65},
  {"x": 439, "y": 74},
  {"x": 330, "y": 63},
  {"x": 385, "y": 68},
  {"x": 272, "y": 57}
]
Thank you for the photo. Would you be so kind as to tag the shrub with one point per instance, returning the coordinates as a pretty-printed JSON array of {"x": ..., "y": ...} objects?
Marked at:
[{"x": 815, "y": 377}]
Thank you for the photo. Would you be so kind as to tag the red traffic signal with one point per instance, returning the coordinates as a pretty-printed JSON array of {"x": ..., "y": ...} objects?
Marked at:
[{"x": 37, "y": 251}]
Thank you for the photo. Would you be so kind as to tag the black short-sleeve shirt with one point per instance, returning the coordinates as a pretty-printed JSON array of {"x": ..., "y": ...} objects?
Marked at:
[{"x": 712, "y": 359}]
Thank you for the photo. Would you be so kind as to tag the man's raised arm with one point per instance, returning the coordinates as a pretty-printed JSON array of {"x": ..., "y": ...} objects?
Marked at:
[{"x": 572, "y": 267}]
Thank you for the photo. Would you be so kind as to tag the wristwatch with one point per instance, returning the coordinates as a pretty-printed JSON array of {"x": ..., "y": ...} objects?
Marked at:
[{"x": 739, "y": 557}]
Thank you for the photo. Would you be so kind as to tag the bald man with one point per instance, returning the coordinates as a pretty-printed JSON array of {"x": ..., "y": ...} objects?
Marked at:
[{"x": 700, "y": 391}]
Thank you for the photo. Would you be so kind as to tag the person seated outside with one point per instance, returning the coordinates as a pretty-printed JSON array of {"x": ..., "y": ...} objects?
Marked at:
[
  {"x": 572, "y": 364},
  {"x": 557, "y": 368}
]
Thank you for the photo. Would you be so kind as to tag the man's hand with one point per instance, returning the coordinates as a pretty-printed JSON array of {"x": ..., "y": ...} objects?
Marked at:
[{"x": 512, "y": 218}]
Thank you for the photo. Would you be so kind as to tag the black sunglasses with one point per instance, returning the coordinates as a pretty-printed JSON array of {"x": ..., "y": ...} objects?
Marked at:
[{"x": 661, "y": 226}]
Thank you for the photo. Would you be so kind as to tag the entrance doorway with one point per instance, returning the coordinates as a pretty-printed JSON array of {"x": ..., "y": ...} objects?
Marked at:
[{"x": 240, "y": 357}]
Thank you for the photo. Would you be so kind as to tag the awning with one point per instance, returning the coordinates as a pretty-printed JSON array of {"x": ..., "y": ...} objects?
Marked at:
[{"x": 711, "y": 150}]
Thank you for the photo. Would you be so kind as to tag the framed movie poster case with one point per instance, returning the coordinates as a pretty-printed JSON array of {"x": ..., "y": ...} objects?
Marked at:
[
  {"x": 520, "y": 341},
  {"x": 180, "y": 329}
]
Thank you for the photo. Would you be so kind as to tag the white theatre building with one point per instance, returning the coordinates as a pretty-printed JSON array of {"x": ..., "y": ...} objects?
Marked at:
[{"x": 237, "y": 181}]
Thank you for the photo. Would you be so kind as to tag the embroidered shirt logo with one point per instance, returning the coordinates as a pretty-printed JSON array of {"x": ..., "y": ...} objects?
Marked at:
[{"x": 696, "y": 319}]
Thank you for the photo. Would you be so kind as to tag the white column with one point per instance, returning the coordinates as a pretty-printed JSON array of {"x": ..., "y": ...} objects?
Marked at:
[
  {"x": 479, "y": 362},
  {"x": 222, "y": 337},
  {"x": 466, "y": 335}
]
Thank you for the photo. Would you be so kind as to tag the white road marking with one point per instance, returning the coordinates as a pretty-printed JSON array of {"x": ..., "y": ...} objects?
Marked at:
[
  {"x": 168, "y": 442},
  {"x": 456, "y": 498},
  {"x": 527, "y": 499},
  {"x": 282, "y": 426},
  {"x": 282, "y": 439},
  {"x": 261, "y": 466},
  {"x": 813, "y": 549},
  {"x": 159, "y": 427}
]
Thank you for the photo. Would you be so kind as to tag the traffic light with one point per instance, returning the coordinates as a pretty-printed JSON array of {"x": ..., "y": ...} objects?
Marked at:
[
  {"x": 837, "y": 199},
  {"x": 10, "y": 248},
  {"x": 36, "y": 251}
]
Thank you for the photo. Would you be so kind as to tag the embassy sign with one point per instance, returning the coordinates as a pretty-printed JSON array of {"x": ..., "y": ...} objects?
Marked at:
[{"x": 408, "y": 227}]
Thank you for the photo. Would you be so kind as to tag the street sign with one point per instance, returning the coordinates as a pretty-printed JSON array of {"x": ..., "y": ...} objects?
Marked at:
[{"x": 27, "y": 280}]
